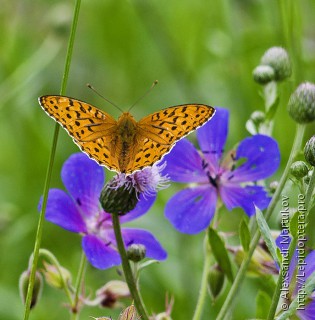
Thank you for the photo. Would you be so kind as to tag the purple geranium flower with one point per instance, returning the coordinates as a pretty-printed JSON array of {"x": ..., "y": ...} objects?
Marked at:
[
  {"x": 79, "y": 211},
  {"x": 191, "y": 210}
]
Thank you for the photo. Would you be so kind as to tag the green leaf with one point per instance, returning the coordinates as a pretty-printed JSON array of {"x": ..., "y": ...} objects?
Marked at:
[
  {"x": 271, "y": 99},
  {"x": 244, "y": 235},
  {"x": 266, "y": 234},
  {"x": 220, "y": 253},
  {"x": 294, "y": 222},
  {"x": 263, "y": 302}
]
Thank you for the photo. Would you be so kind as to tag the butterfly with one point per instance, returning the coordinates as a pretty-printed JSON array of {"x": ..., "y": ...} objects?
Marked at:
[{"x": 125, "y": 145}]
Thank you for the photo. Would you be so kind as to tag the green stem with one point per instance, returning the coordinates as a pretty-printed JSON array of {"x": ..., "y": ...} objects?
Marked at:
[
  {"x": 204, "y": 281},
  {"x": 49, "y": 170},
  {"x": 78, "y": 284},
  {"x": 309, "y": 193},
  {"x": 127, "y": 269},
  {"x": 231, "y": 297}
]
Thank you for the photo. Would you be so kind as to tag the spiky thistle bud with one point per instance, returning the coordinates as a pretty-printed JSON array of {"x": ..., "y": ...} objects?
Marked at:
[
  {"x": 263, "y": 74},
  {"x": 309, "y": 151},
  {"x": 278, "y": 59},
  {"x": 301, "y": 106},
  {"x": 299, "y": 169}
]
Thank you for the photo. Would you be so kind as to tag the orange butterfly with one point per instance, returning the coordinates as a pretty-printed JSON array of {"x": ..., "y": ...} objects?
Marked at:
[{"x": 125, "y": 145}]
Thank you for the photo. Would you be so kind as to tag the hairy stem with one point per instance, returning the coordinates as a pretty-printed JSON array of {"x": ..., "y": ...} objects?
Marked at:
[{"x": 127, "y": 269}]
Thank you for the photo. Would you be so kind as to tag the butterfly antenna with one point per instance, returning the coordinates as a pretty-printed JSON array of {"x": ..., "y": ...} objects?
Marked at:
[
  {"x": 145, "y": 94},
  {"x": 112, "y": 103}
]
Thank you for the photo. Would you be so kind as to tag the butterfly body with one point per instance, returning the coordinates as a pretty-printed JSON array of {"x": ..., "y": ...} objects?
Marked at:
[{"x": 125, "y": 145}]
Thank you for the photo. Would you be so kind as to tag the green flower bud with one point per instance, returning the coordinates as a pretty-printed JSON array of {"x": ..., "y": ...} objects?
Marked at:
[
  {"x": 263, "y": 74},
  {"x": 273, "y": 186},
  {"x": 309, "y": 151},
  {"x": 258, "y": 117},
  {"x": 299, "y": 169},
  {"x": 130, "y": 313},
  {"x": 37, "y": 289},
  {"x": 118, "y": 199},
  {"x": 136, "y": 252},
  {"x": 307, "y": 179},
  {"x": 301, "y": 106},
  {"x": 53, "y": 278},
  {"x": 215, "y": 281},
  {"x": 278, "y": 59}
]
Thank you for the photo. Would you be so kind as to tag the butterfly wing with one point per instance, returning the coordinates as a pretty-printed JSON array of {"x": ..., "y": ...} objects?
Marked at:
[
  {"x": 157, "y": 133},
  {"x": 90, "y": 128}
]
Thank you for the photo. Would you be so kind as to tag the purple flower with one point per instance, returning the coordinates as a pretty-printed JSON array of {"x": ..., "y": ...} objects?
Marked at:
[
  {"x": 191, "y": 210},
  {"x": 79, "y": 211}
]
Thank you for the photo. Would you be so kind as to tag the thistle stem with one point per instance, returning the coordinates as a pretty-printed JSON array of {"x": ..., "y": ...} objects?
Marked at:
[
  {"x": 49, "y": 169},
  {"x": 127, "y": 269},
  {"x": 228, "y": 303}
]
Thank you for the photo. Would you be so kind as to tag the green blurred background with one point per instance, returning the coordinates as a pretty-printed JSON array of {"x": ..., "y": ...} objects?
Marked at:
[{"x": 200, "y": 51}]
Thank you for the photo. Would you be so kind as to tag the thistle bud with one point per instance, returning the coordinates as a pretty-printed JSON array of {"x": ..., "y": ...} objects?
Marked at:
[
  {"x": 263, "y": 74},
  {"x": 136, "y": 252},
  {"x": 278, "y": 59},
  {"x": 299, "y": 169},
  {"x": 215, "y": 281},
  {"x": 118, "y": 199},
  {"x": 301, "y": 106},
  {"x": 53, "y": 277},
  {"x": 37, "y": 289},
  {"x": 309, "y": 151}
]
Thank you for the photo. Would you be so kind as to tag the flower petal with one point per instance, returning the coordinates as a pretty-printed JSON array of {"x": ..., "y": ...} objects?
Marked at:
[
  {"x": 61, "y": 210},
  {"x": 212, "y": 136},
  {"x": 154, "y": 250},
  {"x": 184, "y": 164},
  {"x": 263, "y": 158},
  {"x": 143, "y": 205},
  {"x": 247, "y": 198},
  {"x": 84, "y": 180},
  {"x": 191, "y": 210},
  {"x": 100, "y": 254}
]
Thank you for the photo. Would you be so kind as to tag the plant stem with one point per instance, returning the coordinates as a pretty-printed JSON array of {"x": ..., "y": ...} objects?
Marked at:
[
  {"x": 228, "y": 303},
  {"x": 203, "y": 288},
  {"x": 49, "y": 170},
  {"x": 127, "y": 269},
  {"x": 78, "y": 287}
]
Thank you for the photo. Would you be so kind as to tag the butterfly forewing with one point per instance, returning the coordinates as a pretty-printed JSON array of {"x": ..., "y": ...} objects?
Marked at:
[
  {"x": 171, "y": 124},
  {"x": 90, "y": 128},
  {"x": 107, "y": 141},
  {"x": 158, "y": 132}
]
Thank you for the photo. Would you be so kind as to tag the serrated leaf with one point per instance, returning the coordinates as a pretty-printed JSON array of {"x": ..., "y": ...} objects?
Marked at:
[
  {"x": 263, "y": 302},
  {"x": 294, "y": 223},
  {"x": 244, "y": 235},
  {"x": 220, "y": 253},
  {"x": 266, "y": 234}
]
